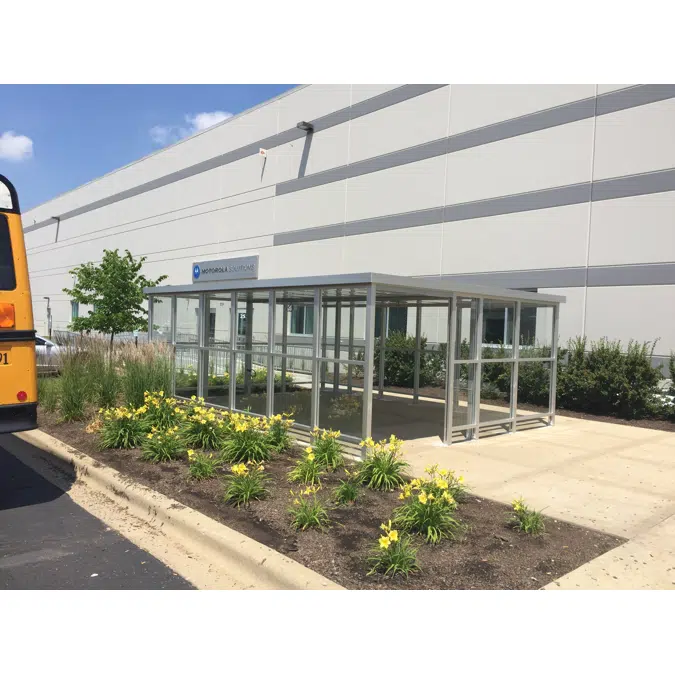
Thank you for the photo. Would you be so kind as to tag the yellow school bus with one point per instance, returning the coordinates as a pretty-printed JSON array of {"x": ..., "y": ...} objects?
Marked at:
[{"x": 18, "y": 378}]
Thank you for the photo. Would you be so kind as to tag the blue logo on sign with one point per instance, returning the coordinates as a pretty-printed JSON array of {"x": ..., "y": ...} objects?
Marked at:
[{"x": 196, "y": 271}]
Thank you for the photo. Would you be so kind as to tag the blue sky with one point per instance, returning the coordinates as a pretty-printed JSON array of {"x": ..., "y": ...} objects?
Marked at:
[{"x": 56, "y": 137}]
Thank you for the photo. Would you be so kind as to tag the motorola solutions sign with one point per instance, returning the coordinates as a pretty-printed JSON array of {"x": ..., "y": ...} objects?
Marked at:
[{"x": 225, "y": 270}]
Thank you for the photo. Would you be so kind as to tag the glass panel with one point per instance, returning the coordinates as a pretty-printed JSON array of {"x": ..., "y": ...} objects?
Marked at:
[
  {"x": 7, "y": 277},
  {"x": 252, "y": 320},
  {"x": 186, "y": 371},
  {"x": 5, "y": 197},
  {"x": 251, "y": 390},
  {"x": 341, "y": 411},
  {"x": 161, "y": 318},
  {"x": 467, "y": 316},
  {"x": 536, "y": 330},
  {"x": 495, "y": 391},
  {"x": 187, "y": 320},
  {"x": 498, "y": 319},
  {"x": 218, "y": 384},
  {"x": 464, "y": 402},
  {"x": 220, "y": 314},
  {"x": 293, "y": 397},
  {"x": 534, "y": 386}
]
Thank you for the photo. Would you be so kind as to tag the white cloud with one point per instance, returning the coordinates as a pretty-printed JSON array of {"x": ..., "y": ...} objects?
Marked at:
[
  {"x": 166, "y": 134},
  {"x": 15, "y": 147}
]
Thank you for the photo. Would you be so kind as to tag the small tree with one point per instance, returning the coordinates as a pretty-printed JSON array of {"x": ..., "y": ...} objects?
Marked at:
[{"x": 115, "y": 290}]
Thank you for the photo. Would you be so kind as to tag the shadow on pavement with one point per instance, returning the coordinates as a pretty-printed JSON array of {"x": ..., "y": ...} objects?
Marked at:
[{"x": 19, "y": 484}]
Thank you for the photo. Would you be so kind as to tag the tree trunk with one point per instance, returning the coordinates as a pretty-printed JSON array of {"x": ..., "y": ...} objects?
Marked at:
[{"x": 112, "y": 336}]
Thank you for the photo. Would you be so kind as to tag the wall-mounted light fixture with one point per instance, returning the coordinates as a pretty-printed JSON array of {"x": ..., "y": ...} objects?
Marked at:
[{"x": 305, "y": 126}]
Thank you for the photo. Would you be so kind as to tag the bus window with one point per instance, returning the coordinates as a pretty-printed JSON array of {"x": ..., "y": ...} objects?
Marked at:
[{"x": 7, "y": 278}]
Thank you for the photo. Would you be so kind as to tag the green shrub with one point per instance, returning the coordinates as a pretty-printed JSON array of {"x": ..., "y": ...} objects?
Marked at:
[
  {"x": 121, "y": 428},
  {"x": 399, "y": 361},
  {"x": 428, "y": 505},
  {"x": 202, "y": 464},
  {"x": 204, "y": 427},
  {"x": 327, "y": 451},
  {"x": 246, "y": 440},
  {"x": 306, "y": 470},
  {"x": 48, "y": 393},
  {"x": 247, "y": 483},
  {"x": 278, "y": 433},
  {"x": 606, "y": 380},
  {"x": 347, "y": 491},
  {"x": 162, "y": 445},
  {"x": 393, "y": 554},
  {"x": 671, "y": 371},
  {"x": 534, "y": 377},
  {"x": 495, "y": 377},
  {"x": 525, "y": 519},
  {"x": 307, "y": 510},
  {"x": 382, "y": 468}
]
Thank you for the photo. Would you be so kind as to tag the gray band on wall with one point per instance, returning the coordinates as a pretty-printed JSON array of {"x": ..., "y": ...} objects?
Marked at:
[
  {"x": 651, "y": 274},
  {"x": 575, "y": 111},
  {"x": 578, "y": 193},
  {"x": 384, "y": 100}
]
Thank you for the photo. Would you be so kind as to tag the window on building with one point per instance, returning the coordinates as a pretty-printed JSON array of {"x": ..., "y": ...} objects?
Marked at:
[
  {"x": 301, "y": 320},
  {"x": 398, "y": 320},
  {"x": 528, "y": 326},
  {"x": 74, "y": 310}
]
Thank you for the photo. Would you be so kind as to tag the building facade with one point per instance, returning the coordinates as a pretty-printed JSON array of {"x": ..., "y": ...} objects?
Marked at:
[{"x": 560, "y": 189}]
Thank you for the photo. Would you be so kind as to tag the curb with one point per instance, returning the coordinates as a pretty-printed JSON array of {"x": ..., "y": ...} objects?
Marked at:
[{"x": 252, "y": 564}]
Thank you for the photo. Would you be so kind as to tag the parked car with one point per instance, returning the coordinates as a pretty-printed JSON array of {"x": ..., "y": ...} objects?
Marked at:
[{"x": 47, "y": 355}]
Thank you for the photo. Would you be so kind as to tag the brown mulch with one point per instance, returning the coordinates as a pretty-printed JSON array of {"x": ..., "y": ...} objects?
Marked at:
[{"x": 489, "y": 556}]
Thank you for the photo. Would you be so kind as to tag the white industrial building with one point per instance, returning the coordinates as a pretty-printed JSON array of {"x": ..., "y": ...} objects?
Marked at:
[{"x": 565, "y": 190}]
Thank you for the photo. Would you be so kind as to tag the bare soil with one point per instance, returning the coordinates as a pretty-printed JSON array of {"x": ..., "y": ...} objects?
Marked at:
[{"x": 490, "y": 555}]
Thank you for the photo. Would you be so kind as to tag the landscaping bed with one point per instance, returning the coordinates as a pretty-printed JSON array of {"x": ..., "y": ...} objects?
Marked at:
[{"x": 488, "y": 555}]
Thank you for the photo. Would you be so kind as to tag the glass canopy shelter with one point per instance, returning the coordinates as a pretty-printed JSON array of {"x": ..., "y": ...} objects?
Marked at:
[{"x": 366, "y": 354}]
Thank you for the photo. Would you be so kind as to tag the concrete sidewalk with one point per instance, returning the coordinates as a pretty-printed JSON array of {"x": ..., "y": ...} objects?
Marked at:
[{"x": 615, "y": 478}]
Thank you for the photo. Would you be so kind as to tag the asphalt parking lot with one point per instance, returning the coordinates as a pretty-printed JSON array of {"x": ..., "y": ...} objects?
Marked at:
[{"x": 49, "y": 542}]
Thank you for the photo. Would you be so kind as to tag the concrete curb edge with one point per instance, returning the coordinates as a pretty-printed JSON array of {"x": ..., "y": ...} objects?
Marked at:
[{"x": 253, "y": 564}]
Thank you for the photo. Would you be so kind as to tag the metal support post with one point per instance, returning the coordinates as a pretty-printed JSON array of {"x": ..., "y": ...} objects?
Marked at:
[
  {"x": 351, "y": 345},
  {"x": 418, "y": 355},
  {"x": 316, "y": 347},
  {"x": 248, "y": 358},
  {"x": 203, "y": 341},
  {"x": 324, "y": 344},
  {"x": 284, "y": 346},
  {"x": 369, "y": 363},
  {"x": 554, "y": 365},
  {"x": 450, "y": 357},
  {"x": 515, "y": 369},
  {"x": 270, "y": 354},
  {"x": 174, "y": 312},
  {"x": 234, "y": 335},
  {"x": 337, "y": 349},
  {"x": 384, "y": 322},
  {"x": 478, "y": 375},
  {"x": 150, "y": 316}
]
